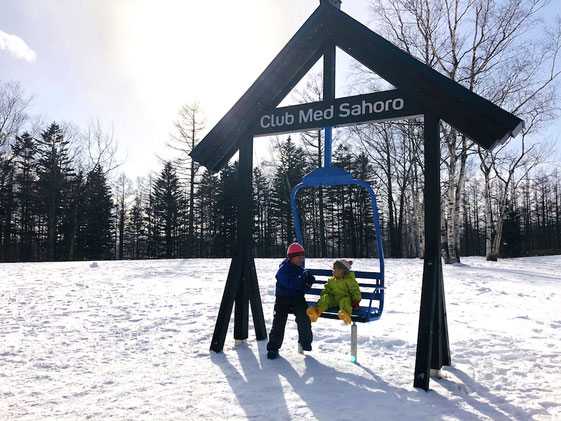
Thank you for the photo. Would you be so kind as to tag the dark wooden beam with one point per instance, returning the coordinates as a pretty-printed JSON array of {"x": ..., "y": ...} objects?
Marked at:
[
  {"x": 241, "y": 284},
  {"x": 329, "y": 72},
  {"x": 227, "y": 303},
  {"x": 432, "y": 339},
  {"x": 245, "y": 220},
  {"x": 285, "y": 71},
  {"x": 256, "y": 306}
]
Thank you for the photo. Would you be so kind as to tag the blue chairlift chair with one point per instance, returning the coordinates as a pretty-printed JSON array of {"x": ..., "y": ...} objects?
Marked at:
[{"x": 371, "y": 283}]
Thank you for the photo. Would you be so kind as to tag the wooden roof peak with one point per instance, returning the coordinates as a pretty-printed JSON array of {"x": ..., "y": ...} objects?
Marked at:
[{"x": 476, "y": 117}]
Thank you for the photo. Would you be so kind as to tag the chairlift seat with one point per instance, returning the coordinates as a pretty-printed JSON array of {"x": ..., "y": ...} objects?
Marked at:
[{"x": 371, "y": 287}]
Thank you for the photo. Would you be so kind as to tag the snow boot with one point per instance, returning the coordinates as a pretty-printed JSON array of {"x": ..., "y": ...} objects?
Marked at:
[
  {"x": 313, "y": 313},
  {"x": 306, "y": 346},
  {"x": 346, "y": 317},
  {"x": 272, "y": 354}
]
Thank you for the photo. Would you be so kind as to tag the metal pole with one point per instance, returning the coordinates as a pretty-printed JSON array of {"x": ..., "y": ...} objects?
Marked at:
[
  {"x": 354, "y": 336},
  {"x": 328, "y": 139}
]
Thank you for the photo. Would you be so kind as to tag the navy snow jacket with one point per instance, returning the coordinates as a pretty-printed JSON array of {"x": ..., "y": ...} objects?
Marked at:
[{"x": 292, "y": 280}]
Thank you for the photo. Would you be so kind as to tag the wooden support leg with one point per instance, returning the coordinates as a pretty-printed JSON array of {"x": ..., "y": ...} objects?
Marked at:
[
  {"x": 227, "y": 303},
  {"x": 241, "y": 312},
  {"x": 432, "y": 341},
  {"x": 241, "y": 285},
  {"x": 256, "y": 305},
  {"x": 440, "y": 354}
]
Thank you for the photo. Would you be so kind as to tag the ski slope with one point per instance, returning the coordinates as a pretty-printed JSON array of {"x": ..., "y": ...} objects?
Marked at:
[{"x": 130, "y": 340}]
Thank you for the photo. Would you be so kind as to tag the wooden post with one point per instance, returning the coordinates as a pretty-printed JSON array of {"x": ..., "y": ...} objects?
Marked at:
[
  {"x": 432, "y": 340},
  {"x": 227, "y": 303},
  {"x": 328, "y": 95},
  {"x": 256, "y": 305},
  {"x": 241, "y": 284},
  {"x": 245, "y": 196}
]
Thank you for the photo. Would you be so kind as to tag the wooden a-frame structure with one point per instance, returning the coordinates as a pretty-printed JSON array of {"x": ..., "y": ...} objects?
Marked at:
[{"x": 427, "y": 93}]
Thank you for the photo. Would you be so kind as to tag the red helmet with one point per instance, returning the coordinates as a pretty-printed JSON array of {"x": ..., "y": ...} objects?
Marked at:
[{"x": 294, "y": 250}]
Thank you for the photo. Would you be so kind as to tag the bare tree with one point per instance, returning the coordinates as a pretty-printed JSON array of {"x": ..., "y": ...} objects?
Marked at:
[
  {"x": 480, "y": 44},
  {"x": 187, "y": 132},
  {"x": 529, "y": 84},
  {"x": 313, "y": 92},
  {"x": 101, "y": 147},
  {"x": 13, "y": 115},
  {"x": 394, "y": 149}
]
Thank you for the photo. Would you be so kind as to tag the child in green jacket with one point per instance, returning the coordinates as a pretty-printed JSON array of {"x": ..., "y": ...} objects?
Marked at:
[{"x": 340, "y": 290}]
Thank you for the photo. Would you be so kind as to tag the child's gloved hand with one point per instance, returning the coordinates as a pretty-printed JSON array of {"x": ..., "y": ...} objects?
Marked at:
[
  {"x": 310, "y": 279},
  {"x": 355, "y": 305}
]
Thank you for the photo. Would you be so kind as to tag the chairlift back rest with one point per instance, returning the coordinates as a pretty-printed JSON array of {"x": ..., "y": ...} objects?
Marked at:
[{"x": 371, "y": 287}]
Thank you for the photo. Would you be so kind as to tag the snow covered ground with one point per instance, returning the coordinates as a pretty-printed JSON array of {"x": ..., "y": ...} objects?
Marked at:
[{"x": 130, "y": 340}]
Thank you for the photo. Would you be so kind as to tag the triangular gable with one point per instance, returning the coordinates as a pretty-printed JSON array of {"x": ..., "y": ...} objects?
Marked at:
[
  {"x": 296, "y": 58},
  {"x": 473, "y": 115},
  {"x": 476, "y": 117}
]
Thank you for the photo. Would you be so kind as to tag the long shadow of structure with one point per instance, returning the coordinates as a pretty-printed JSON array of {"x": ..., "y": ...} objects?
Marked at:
[{"x": 328, "y": 392}]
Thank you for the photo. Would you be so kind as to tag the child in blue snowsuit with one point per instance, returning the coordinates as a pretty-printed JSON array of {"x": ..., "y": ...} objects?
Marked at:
[{"x": 292, "y": 283}]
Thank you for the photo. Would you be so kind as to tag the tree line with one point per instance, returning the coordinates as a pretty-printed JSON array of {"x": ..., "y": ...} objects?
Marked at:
[{"x": 52, "y": 210}]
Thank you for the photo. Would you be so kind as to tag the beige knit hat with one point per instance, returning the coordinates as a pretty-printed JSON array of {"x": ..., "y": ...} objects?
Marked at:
[{"x": 344, "y": 264}]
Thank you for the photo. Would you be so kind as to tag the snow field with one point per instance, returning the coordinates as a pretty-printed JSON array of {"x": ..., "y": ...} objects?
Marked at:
[{"x": 130, "y": 339}]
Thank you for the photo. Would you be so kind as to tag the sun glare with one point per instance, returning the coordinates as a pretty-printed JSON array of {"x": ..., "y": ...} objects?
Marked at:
[{"x": 177, "y": 51}]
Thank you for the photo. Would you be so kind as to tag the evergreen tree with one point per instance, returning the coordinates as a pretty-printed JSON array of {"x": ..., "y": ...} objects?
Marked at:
[
  {"x": 207, "y": 197},
  {"x": 122, "y": 192},
  {"x": 99, "y": 205},
  {"x": 153, "y": 237},
  {"x": 136, "y": 230},
  {"x": 54, "y": 170},
  {"x": 168, "y": 205},
  {"x": 74, "y": 218},
  {"x": 365, "y": 231},
  {"x": 7, "y": 209},
  {"x": 262, "y": 214},
  {"x": 227, "y": 210},
  {"x": 289, "y": 171},
  {"x": 25, "y": 151}
]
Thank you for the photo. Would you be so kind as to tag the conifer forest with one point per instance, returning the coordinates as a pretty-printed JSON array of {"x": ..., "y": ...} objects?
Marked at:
[{"x": 55, "y": 208}]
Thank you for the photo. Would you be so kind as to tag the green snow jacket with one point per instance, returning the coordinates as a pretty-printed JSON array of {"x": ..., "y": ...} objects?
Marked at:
[{"x": 346, "y": 286}]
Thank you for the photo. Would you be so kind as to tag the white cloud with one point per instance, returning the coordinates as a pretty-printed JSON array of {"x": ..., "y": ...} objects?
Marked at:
[{"x": 15, "y": 45}]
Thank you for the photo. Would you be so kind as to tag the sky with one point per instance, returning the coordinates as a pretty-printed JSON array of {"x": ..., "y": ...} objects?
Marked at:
[{"x": 131, "y": 64}]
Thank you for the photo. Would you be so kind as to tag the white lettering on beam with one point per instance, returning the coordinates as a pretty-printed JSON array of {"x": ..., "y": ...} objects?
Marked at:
[
  {"x": 265, "y": 121},
  {"x": 345, "y": 110},
  {"x": 309, "y": 115},
  {"x": 305, "y": 117},
  {"x": 271, "y": 120}
]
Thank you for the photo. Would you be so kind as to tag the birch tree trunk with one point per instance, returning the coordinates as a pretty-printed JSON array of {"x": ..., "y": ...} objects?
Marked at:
[
  {"x": 488, "y": 215},
  {"x": 458, "y": 199},
  {"x": 451, "y": 255}
]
